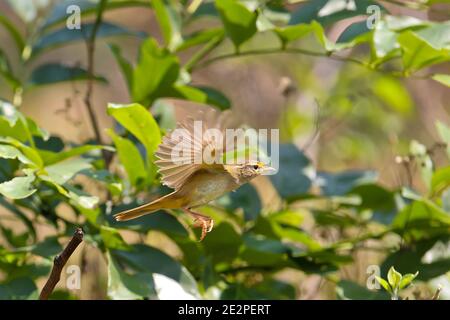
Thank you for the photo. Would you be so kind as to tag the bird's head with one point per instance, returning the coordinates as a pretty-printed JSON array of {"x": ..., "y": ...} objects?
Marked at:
[{"x": 243, "y": 173}]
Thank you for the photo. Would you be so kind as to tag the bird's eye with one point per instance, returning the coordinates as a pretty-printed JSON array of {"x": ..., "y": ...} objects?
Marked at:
[{"x": 255, "y": 167}]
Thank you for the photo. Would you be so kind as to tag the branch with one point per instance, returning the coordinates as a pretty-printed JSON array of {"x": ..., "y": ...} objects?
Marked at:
[
  {"x": 90, "y": 46},
  {"x": 210, "y": 46},
  {"x": 332, "y": 56},
  {"x": 59, "y": 262}
]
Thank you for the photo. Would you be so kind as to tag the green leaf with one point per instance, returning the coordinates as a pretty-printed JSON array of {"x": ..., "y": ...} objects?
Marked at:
[
  {"x": 169, "y": 22},
  {"x": 222, "y": 244},
  {"x": 112, "y": 239},
  {"x": 125, "y": 66},
  {"x": 291, "y": 33},
  {"x": 53, "y": 73},
  {"x": 247, "y": 198},
  {"x": 341, "y": 183},
  {"x": 393, "y": 93},
  {"x": 426, "y": 257},
  {"x": 267, "y": 289},
  {"x": 400, "y": 23},
  {"x": 59, "y": 9},
  {"x": 442, "y": 78},
  {"x": 355, "y": 33},
  {"x": 55, "y": 157},
  {"x": 384, "y": 40},
  {"x": 394, "y": 278},
  {"x": 418, "y": 54},
  {"x": 130, "y": 158},
  {"x": 63, "y": 171},
  {"x": 200, "y": 94},
  {"x": 48, "y": 248},
  {"x": 123, "y": 286},
  {"x": 436, "y": 35},
  {"x": 407, "y": 279},
  {"x": 384, "y": 284},
  {"x": 15, "y": 125},
  {"x": 140, "y": 122},
  {"x": 6, "y": 71},
  {"x": 349, "y": 290},
  {"x": 440, "y": 180},
  {"x": 18, "y": 289},
  {"x": 239, "y": 22},
  {"x": 327, "y": 12},
  {"x": 10, "y": 152},
  {"x": 262, "y": 251},
  {"x": 77, "y": 196},
  {"x": 199, "y": 37},
  {"x": 381, "y": 201},
  {"x": 291, "y": 180},
  {"x": 65, "y": 36},
  {"x": 29, "y": 152},
  {"x": 421, "y": 219},
  {"x": 15, "y": 34},
  {"x": 170, "y": 278},
  {"x": 19, "y": 187},
  {"x": 161, "y": 64}
]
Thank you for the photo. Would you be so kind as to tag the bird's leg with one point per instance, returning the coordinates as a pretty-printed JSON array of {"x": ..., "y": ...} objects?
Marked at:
[{"x": 205, "y": 222}]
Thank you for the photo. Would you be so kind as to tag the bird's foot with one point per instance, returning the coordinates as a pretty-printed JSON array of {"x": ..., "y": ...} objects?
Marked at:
[{"x": 201, "y": 221}]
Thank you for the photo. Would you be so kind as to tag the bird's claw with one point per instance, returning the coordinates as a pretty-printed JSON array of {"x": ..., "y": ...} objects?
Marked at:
[{"x": 206, "y": 224}]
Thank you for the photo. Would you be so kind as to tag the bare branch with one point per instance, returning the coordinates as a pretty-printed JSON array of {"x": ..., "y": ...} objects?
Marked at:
[
  {"x": 90, "y": 46},
  {"x": 59, "y": 262}
]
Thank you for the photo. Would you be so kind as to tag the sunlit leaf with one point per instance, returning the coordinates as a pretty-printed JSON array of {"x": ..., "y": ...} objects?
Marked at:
[
  {"x": 418, "y": 54},
  {"x": 161, "y": 64},
  {"x": 442, "y": 78},
  {"x": 130, "y": 158},
  {"x": 140, "y": 122},
  {"x": 19, "y": 187},
  {"x": 239, "y": 22},
  {"x": 169, "y": 22},
  {"x": 112, "y": 239},
  {"x": 63, "y": 171}
]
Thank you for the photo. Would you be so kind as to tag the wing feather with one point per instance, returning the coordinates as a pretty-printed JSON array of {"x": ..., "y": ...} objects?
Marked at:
[{"x": 180, "y": 151}]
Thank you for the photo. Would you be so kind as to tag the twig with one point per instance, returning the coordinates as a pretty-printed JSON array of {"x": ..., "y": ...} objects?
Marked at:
[
  {"x": 329, "y": 55},
  {"x": 316, "y": 132},
  {"x": 59, "y": 262},
  {"x": 90, "y": 46},
  {"x": 210, "y": 46}
]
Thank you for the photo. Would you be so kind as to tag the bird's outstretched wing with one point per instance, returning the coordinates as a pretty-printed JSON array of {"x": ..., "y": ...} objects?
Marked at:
[{"x": 184, "y": 150}]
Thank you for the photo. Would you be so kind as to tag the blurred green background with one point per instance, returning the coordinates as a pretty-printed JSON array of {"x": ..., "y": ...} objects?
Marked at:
[{"x": 363, "y": 117}]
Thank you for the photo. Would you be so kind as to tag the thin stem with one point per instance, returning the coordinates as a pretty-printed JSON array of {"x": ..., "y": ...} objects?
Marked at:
[
  {"x": 210, "y": 46},
  {"x": 331, "y": 55},
  {"x": 59, "y": 262},
  {"x": 90, "y": 45}
]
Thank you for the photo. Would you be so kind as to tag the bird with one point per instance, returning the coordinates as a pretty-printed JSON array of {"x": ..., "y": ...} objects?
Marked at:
[{"x": 182, "y": 158}]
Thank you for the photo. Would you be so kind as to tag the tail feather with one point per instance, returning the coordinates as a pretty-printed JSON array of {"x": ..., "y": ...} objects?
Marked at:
[{"x": 166, "y": 202}]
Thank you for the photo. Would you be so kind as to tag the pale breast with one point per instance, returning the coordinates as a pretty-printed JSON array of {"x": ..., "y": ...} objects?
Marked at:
[{"x": 210, "y": 187}]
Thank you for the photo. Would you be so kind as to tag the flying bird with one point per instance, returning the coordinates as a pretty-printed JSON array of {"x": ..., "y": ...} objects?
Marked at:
[{"x": 190, "y": 163}]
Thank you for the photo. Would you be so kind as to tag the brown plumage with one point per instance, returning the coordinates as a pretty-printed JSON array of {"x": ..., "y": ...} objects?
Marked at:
[{"x": 196, "y": 182}]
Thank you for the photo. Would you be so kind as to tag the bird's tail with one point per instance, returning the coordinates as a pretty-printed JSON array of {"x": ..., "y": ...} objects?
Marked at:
[{"x": 165, "y": 202}]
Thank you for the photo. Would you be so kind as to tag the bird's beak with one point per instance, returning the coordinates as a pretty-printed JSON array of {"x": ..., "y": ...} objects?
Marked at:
[{"x": 268, "y": 171}]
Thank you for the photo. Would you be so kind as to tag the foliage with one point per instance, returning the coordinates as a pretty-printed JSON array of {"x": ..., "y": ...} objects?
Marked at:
[
  {"x": 250, "y": 245},
  {"x": 396, "y": 282}
]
